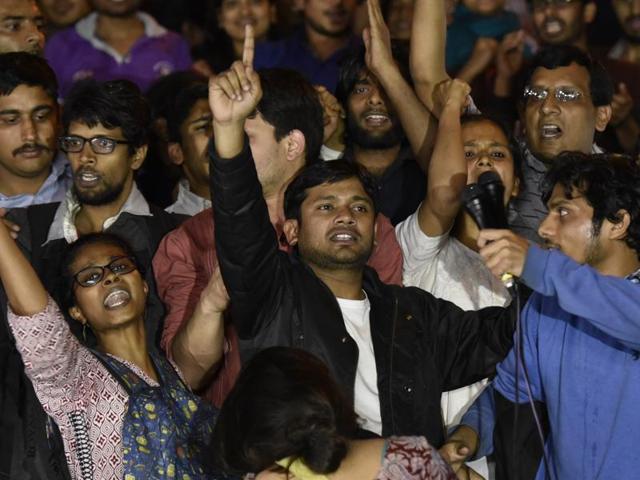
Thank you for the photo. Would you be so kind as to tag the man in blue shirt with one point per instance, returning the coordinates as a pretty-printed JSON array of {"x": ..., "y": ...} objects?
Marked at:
[
  {"x": 581, "y": 329},
  {"x": 31, "y": 172},
  {"x": 316, "y": 49}
]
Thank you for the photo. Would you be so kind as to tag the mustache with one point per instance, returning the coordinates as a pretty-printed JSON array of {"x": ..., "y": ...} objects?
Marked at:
[{"x": 30, "y": 146}]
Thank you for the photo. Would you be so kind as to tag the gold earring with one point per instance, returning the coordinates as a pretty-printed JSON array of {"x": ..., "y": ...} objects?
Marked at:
[{"x": 84, "y": 332}]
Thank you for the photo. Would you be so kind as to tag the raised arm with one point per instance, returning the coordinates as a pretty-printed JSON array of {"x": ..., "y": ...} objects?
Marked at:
[
  {"x": 448, "y": 167},
  {"x": 25, "y": 292},
  {"x": 428, "y": 37},
  {"x": 418, "y": 124}
]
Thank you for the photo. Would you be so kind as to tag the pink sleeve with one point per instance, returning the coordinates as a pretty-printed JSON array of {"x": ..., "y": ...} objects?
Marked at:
[
  {"x": 386, "y": 258},
  {"x": 61, "y": 369},
  {"x": 412, "y": 458},
  {"x": 182, "y": 266}
]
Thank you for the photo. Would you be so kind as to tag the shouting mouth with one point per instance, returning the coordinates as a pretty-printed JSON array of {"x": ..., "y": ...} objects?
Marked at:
[{"x": 116, "y": 298}]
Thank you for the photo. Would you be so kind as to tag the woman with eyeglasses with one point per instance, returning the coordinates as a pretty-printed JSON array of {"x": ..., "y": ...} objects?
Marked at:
[{"x": 123, "y": 411}]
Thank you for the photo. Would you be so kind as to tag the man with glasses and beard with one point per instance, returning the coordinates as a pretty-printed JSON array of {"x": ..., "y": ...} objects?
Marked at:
[{"x": 31, "y": 172}]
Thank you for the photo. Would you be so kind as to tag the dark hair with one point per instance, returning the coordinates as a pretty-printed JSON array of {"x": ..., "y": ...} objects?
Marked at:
[
  {"x": 289, "y": 102},
  {"x": 608, "y": 182},
  {"x": 514, "y": 146},
  {"x": 73, "y": 251},
  {"x": 353, "y": 66},
  {"x": 284, "y": 404},
  {"x": 183, "y": 104},
  {"x": 21, "y": 68},
  {"x": 325, "y": 172},
  {"x": 552, "y": 57},
  {"x": 117, "y": 103}
]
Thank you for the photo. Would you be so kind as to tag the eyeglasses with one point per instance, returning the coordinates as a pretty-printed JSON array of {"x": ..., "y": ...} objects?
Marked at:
[
  {"x": 99, "y": 145},
  {"x": 538, "y": 4},
  {"x": 90, "y": 276},
  {"x": 562, "y": 94}
]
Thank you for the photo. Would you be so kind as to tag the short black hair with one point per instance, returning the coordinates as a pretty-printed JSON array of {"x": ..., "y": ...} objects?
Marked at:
[
  {"x": 552, "y": 57},
  {"x": 514, "y": 146},
  {"x": 609, "y": 183},
  {"x": 289, "y": 102},
  {"x": 284, "y": 404},
  {"x": 113, "y": 104},
  {"x": 353, "y": 66},
  {"x": 21, "y": 68},
  {"x": 332, "y": 171},
  {"x": 184, "y": 102}
]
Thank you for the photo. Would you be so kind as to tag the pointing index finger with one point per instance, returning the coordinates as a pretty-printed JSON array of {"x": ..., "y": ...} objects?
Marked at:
[{"x": 249, "y": 46}]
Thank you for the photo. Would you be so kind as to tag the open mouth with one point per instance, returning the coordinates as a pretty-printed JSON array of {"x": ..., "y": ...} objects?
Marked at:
[
  {"x": 553, "y": 26},
  {"x": 344, "y": 237},
  {"x": 550, "y": 131},
  {"x": 117, "y": 298},
  {"x": 85, "y": 178},
  {"x": 376, "y": 119}
]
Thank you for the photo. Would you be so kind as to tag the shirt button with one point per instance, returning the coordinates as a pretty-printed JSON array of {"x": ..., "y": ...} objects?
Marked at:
[
  {"x": 344, "y": 339},
  {"x": 408, "y": 316},
  {"x": 407, "y": 389}
]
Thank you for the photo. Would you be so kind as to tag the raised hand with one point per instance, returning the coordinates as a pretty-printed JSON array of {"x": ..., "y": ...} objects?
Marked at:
[
  {"x": 503, "y": 251},
  {"x": 510, "y": 54},
  {"x": 483, "y": 55},
  {"x": 234, "y": 94},
  {"x": 334, "y": 119},
  {"x": 377, "y": 40},
  {"x": 457, "y": 94},
  {"x": 214, "y": 298}
]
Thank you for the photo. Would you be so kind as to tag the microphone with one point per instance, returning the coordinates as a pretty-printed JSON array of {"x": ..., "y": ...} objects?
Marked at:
[{"x": 484, "y": 202}]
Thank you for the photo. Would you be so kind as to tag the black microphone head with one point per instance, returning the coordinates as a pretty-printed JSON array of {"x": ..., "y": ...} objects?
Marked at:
[
  {"x": 489, "y": 177},
  {"x": 475, "y": 203},
  {"x": 470, "y": 192},
  {"x": 491, "y": 184}
]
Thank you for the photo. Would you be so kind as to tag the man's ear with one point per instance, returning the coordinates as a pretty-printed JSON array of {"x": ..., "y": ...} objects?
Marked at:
[
  {"x": 618, "y": 231},
  {"x": 145, "y": 288},
  {"x": 176, "y": 155},
  {"x": 603, "y": 115},
  {"x": 77, "y": 315},
  {"x": 298, "y": 5},
  {"x": 290, "y": 230},
  {"x": 589, "y": 12},
  {"x": 295, "y": 144},
  {"x": 138, "y": 157},
  {"x": 516, "y": 188}
]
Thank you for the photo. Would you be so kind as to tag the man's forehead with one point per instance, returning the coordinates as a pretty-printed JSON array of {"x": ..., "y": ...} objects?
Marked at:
[
  {"x": 27, "y": 96},
  {"x": 18, "y": 8},
  {"x": 571, "y": 75},
  {"x": 350, "y": 188}
]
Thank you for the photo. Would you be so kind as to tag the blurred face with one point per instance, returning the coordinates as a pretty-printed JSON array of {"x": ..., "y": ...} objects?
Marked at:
[
  {"x": 486, "y": 148},
  {"x": 569, "y": 228},
  {"x": 331, "y": 18},
  {"x": 196, "y": 131},
  {"x": 399, "y": 18},
  {"x": 554, "y": 126},
  {"x": 117, "y": 300},
  {"x": 21, "y": 26},
  {"x": 628, "y": 13},
  {"x": 484, "y": 7},
  {"x": 235, "y": 14},
  {"x": 561, "y": 23},
  {"x": 116, "y": 8},
  {"x": 269, "y": 154},
  {"x": 101, "y": 179},
  {"x": 63, "y": 13},
  {"x": 336, "y": 227},
  {"x": 28, "y": 131},
  {"x": 371, "y": 124}
]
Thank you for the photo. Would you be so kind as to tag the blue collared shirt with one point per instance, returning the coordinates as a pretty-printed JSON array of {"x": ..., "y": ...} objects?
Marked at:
[
  {"x": 294, "y": 53},
  {"x": 52, "y": 190}
]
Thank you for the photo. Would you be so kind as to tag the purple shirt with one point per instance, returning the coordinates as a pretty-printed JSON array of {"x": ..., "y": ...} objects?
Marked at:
[
  {"x": 294, "y": 53},
  {"x": 77, "y": 53}
]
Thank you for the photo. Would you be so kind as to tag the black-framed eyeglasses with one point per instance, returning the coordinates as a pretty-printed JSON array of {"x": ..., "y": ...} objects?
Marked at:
[
  {"x": 93, "y": 275},
  {"x": 537, "y": 4},
  {"x": 100, "y": 145},
  {"x": 562, "y": 94}
]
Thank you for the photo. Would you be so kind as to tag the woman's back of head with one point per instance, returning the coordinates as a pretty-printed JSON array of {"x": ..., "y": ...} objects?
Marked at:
[{"x": 284, "y": 405}]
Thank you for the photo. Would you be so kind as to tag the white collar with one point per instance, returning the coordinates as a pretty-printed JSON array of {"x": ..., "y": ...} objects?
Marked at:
[{"x": 63, "y": 224}]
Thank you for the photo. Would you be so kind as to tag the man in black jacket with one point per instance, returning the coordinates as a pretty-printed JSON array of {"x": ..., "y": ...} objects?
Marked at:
[{"x": 394, "y": 350}]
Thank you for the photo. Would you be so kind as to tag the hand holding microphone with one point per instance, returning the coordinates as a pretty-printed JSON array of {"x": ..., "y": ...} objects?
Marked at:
[{"x": 503, "y": 251}]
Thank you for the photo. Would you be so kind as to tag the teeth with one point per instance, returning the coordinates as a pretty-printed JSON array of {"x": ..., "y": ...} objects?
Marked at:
[
  {"x": 376, "y": 117},
  {"x": 553, "y": 26},
  {"x": 551, "y": 130},
  {"x": 88, "y": 177},
  {"x": 116, "y": 298}
]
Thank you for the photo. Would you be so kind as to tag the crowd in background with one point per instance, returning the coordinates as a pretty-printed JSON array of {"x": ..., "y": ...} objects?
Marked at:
[{"x": 313, "y": 239}]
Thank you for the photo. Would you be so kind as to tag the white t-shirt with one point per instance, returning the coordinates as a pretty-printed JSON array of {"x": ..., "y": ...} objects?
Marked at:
[{"x": 366, "y": 402}]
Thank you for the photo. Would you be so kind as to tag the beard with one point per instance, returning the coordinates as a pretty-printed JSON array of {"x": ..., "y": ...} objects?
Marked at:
[
  {"x": 95, "y": 197},
  {"x": 350, "y": 260},
  {"x": 368, "y": 141}
]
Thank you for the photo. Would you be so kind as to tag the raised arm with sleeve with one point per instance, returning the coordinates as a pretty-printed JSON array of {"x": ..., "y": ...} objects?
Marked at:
[
  {"x": 447, "y": 175},
  {"x": 418, "y": 124}
]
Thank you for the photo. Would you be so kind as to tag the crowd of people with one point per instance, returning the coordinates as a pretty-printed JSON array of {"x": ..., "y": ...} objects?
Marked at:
[{"x": 319, "y": 239}]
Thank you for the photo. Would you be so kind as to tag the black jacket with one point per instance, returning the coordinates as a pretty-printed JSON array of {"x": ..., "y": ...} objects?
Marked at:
[{"x": 422, "y": 345}]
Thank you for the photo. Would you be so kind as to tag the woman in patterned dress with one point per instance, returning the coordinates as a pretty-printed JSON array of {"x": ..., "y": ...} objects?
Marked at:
[
  {"x": 123, "y": 410},
  {"x": 287, "y": 418}
]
